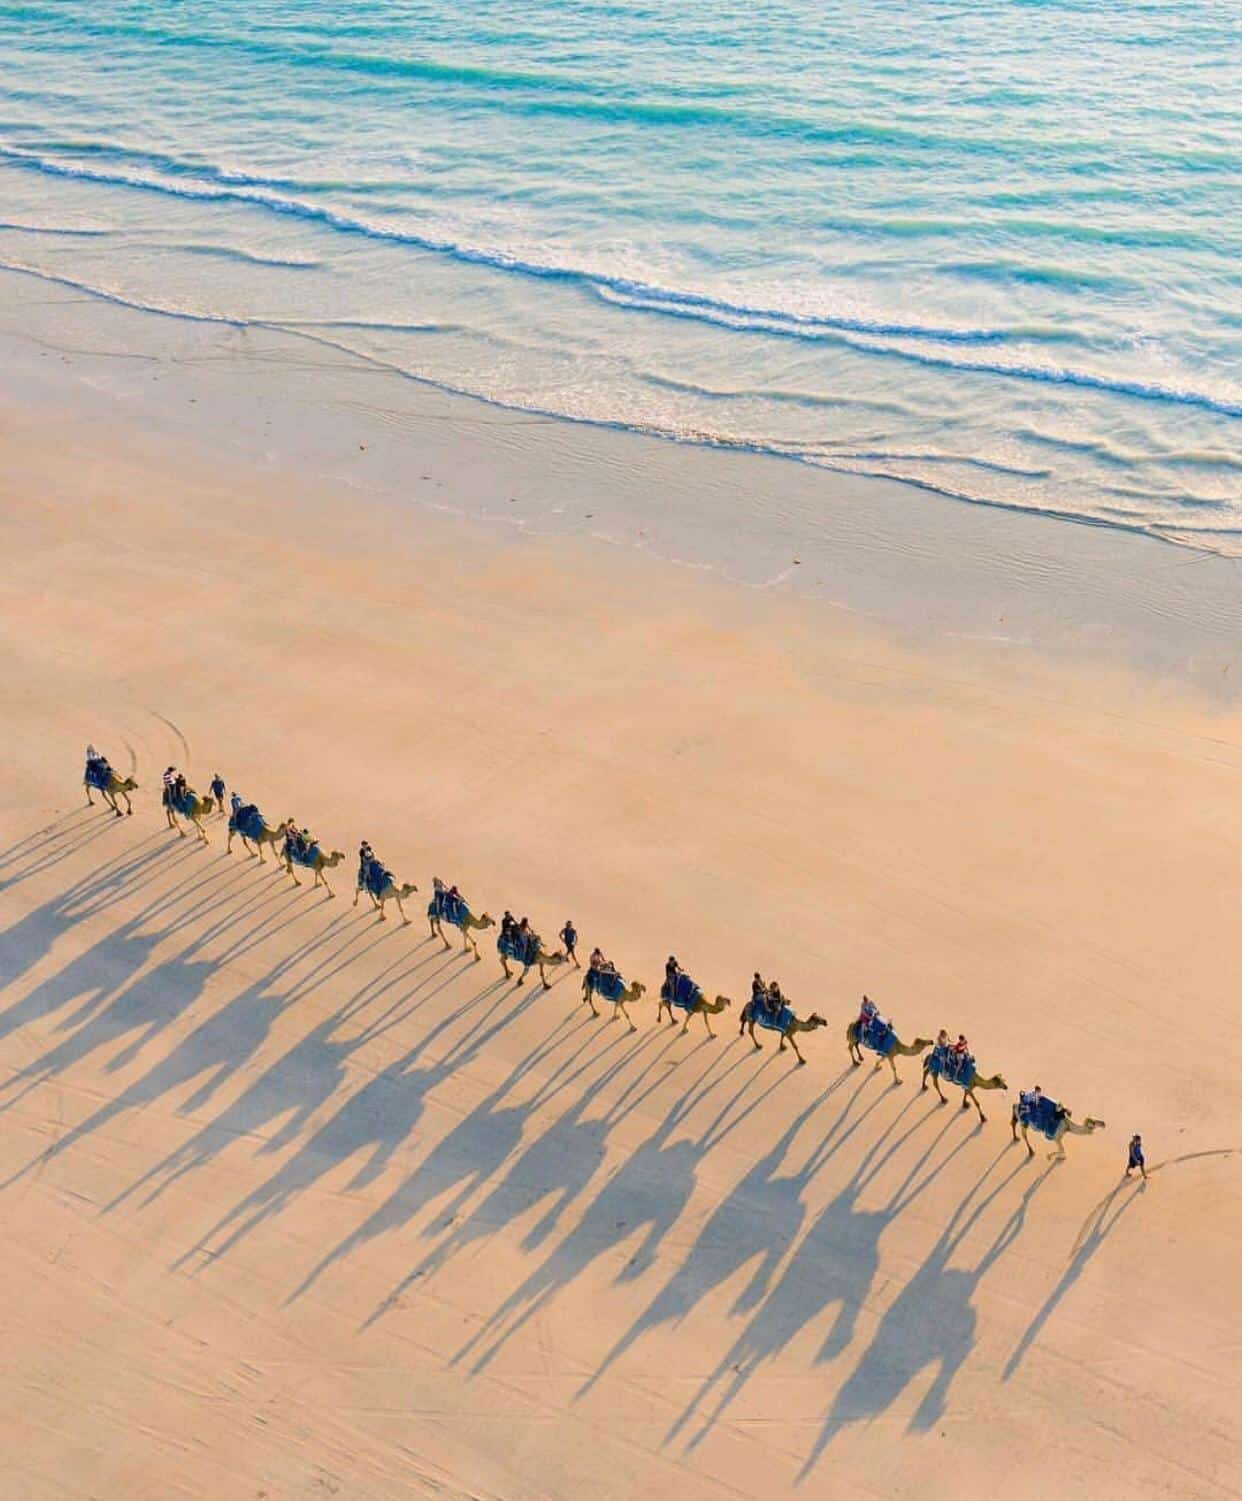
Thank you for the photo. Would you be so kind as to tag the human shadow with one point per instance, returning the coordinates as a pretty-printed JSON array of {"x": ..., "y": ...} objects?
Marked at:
[
  {"x": 836, "y": 1261},
  {"x": 376, "y": 1120},
  {"x": 1100, "y": 1224},
  {"x": 931, "y": 1323},
  {"x": 645, "y": 1196},
  {"x": 475, "y": 1149},
  {"x": 141, "y": 1002}
]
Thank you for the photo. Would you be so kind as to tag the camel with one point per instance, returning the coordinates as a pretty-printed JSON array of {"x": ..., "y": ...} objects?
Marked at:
[
  {"x": 316, "y": 861},
  {"x": 269, "y": 836},
  {"x": 617, "y": 1000},
  {"x": 117, "y": 787},
  {"x": 967, "y": 1090},
  {"x": 390, "y": 892},
  {"x": 898, "y": 1049},
  {"x": 541, "y": 959},
  {"x": 191, "y": 807},
  {"x": 1064, "y": 1126},
  {"x": 469, "y": 923},
  {"x": 700, "y": 1006},
  {"x": 787, "y": 1024},
  {"x": 977, "y": 1081}
]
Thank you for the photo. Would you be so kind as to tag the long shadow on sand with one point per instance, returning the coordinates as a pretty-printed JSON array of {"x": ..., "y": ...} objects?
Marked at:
[
  {"x": 931, "y": 1323},
  {"x": 553, "y": 1168},
  {"x": 52, "y": 844},
  {"x": 227, "y": 1038},
  {"x": 306, "y": 1076},
  {"x": 646, "y": 1193},
  {"x": 835, "y": 1263},
  {"x": 139, "y": 1003},
  {"x": 28, "y": 941},
  {"x": 477, "y": 1146},
  {"x": 376, "y": 1120}
]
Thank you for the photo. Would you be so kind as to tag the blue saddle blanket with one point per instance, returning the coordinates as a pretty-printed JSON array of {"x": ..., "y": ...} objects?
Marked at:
[
  {"x": 606, "y": 983},
  {"x": 183, "y": 804},
  {"x": 878, "y": 1035},
  {"x": 97, "y": 775},
  {"x": 942, "y": 1063},
  {"x": 778, "y": 1021},
  {"x": 685, "y": 994},
  {"x": 450, "y": 909},
  {"x": 300, "y": 856},
  {"x": 1042, "y": 1114},
  {"x": 247, "y": 821},
  {"x": 377, "y": 878},
  {"x": 521, "y": 948}
]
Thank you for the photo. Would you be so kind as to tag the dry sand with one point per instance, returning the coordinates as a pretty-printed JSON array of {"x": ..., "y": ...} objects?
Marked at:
[{"x": 298, "y": 1205}]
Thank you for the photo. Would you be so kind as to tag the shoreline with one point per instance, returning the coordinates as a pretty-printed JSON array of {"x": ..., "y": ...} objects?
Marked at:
[
  {"x": 920, "y": 565},
  {"x": 357, "y": 1215}
]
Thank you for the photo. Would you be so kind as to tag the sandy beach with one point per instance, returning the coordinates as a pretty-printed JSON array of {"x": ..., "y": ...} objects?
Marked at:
[{"x": 298, "y": 1204}]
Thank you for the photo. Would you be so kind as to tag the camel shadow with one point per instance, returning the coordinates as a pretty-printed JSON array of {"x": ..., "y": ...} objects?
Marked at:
[
  {"x": 473, "y": 1151},
  {"x": 29, "y": 940},
  {"x": 931, "y": 1323},
  {"x": 219, "y": 1045},
  {"x": 138, "y": 1003},
  {"x": 554, "y": 1168},
  {"x": 50, "y": 846},
  {"x": 644, "y": 1197},
  {"x": 836, "y": 1261},
  {"x": 376, "y": 1120}
]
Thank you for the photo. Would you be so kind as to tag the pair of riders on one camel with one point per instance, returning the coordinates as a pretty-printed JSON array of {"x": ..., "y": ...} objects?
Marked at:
[
  {"x": 175, "y": 787},
  {"x": 766, "y": 998},
  {"x": 299, "y": 842},
  {"x": 518, "y": 936}
]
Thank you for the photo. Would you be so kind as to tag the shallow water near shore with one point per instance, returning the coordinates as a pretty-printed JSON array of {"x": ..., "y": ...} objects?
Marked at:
[{"x": 991, "y": 251}]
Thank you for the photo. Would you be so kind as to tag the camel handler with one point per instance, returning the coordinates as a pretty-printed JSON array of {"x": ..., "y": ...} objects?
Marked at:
[{"x": 1136, "y": 1159}]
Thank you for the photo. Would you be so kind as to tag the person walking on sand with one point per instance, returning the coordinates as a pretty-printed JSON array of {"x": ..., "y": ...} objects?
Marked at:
[
  {"x": 1136, "y": 1159},
  {"x": 218, "y": 789},
  {"x": 569, "y": 937}
]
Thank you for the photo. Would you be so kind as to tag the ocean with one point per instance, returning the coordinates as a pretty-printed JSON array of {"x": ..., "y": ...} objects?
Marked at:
[{"x": 991, "y": 249}]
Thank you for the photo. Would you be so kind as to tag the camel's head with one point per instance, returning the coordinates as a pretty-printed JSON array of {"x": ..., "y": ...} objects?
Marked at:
[
  {"x": 723, "y": 1000},
  {"x": 487, "y": 921},
  {"x": 208, "y": 804},
  {"x": 335, "y": 857},
  {"x": 816, "y": 1020},
  {"x": 998, "y": 1082},
  {"x": 128, "y": 785},
  {"x": 408, "y": 888},
  {"x": 922, "y": 1042},
  {"x": 639, "y": 988}
]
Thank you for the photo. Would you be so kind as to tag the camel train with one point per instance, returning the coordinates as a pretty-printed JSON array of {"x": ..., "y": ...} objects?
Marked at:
[{"x": 767, "y": 1009}]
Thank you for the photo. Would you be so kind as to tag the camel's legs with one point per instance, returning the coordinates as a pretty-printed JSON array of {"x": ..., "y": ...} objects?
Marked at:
[
  {"x": 405, "y": 921},
  {"x": 788, "y": 1037},
  {"x": 707, "y": 1022},
  {"x": 892, "y": 1063},
  {"x": 289, "y": 870},
  {"x": 969, "y": 1098},
  {"x": 543, "y": 979},
  {"x": 935, "y": 1078},
  {"x": 753, "y": 1038},
  {"x": 469, "y": 943},
  {"x": 620, "y": 1006}
]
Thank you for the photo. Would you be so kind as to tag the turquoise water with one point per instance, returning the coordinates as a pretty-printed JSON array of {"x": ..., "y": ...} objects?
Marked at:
[{"x": 991, "y": 248}]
